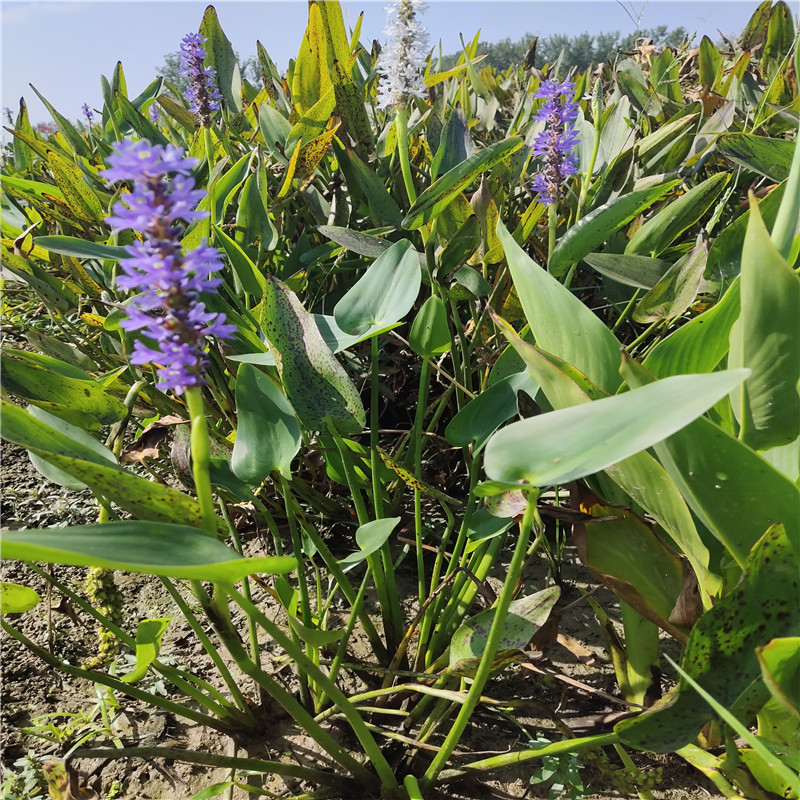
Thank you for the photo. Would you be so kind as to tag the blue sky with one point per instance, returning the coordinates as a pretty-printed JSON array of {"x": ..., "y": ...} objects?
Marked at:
[{"x": 63, "y": 47}]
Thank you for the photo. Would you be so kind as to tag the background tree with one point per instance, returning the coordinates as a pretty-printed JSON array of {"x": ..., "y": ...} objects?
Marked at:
[{"x": 579, "y": 51}]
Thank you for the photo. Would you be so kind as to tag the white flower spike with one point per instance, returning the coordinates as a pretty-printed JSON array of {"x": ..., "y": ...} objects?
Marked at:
[{"x": 403, "y": 60}]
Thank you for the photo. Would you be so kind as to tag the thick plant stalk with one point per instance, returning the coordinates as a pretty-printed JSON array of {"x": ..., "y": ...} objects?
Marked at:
[{"x": 483, "y": 672}]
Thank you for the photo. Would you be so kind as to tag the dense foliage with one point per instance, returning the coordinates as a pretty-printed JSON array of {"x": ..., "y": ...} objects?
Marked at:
[{"x": 512, "y": 295}]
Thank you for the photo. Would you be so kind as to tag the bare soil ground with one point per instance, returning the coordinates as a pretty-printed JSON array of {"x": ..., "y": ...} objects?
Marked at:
[{"x": 31, "y": 689}]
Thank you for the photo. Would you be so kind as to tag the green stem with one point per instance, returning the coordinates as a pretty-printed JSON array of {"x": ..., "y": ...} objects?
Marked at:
[
  {"x": 237, "y": 545},
  {"x": 419, "y": 415},
  {"x": 552, "y": 225},
  {"x": 213, "y": 760},
  {"x": 207, "y": 644},
  {"x": 521, "y": 756},
  {"x": 222, "y": 707},
  {"x": 201, "y": 452},
  {"x": 350, "y": 712},
  {"x": 626, "y": 311},
  {"x": 349, "y": 592},
  {"x": 493, "y": 640},
  {"x": 305, "y": 604},
  {"x": 377, "y": 489},
  {"x": 401, "y": 120},
  {"x": 208, "y": 144}
]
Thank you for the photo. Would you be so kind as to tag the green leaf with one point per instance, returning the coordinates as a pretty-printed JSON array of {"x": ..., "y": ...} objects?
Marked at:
[
  {"x": 174, "y": 551},
  {"x": 642, "y": 272},
  {"x": 479, "y": 418},
  {"x": 370, "y": 537},
  {"x": 455, "y": 145},
  {"x": 461, "y": 246},
  {"x": 430, "y": 331},
  {"x": 143, "y": 126},
  {"x": 267, "y": 433},
  {"x": 384, "y": 294},
  {"x": 16, "y": 599},
  {"x": 253, "y": 223},
  {"x": 317, "y": 387},
  {"x": 80, "y": 248},
  {"x": 631, "y": 561},
  {"x": 721, "y": 653},
  {"x": 53, "y": 291},
  {"x": 222, "y": 60},
  {"x": 768, "y": 342},
  {"x": 535, "y": 451},
  {"x": 780, "y": 665},
  {"x": 81, "y": 200},
  {"x": 148, "y": 643},
  {"x": 445, "y": 189},
  {"x": 640, "y": 476},
  {"x": 709, "y": 61},
  {"x": 73, "y": 432},
  {"x": 594, "y": 229},
  {"x": 312, "y": 77},
  {"x": 66, "y": 128},
  {"x": 586, "y": 343},
  {"x": 725, "y": 256},
  {"x": 769, "y": 157},
  {"x": 676, "y": 290},
  {"x": 526, "y": 615},
  {"x": 700, "y": 344},
  {"x": 725, "y": 482},
  {"x": 81, "y": 401},
  {"x": 275, "y": 129},
  {"x": 661, "y": 230},
  {"x": 139, "y": 496},
  {"x": 383, "y": 210},
  {"x": 246, "y": 271}
]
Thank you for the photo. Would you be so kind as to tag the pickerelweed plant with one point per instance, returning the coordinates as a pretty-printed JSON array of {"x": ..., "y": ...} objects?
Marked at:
[{"x": 379, "y": 375}]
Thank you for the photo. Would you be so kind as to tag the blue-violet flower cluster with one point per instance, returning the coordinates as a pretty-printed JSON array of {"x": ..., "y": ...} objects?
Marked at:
[
  {"x": 402, "y": 61},
  {"x": 169, "y": 282},
  {"x": 556, "y": 141},
  {"x": 202, "y": 93},
  {"x": 87, "y": 112}
]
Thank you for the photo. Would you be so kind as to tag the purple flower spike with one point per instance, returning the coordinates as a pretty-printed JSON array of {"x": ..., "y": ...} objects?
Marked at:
[
  {"x": 87, "y": 112},
  {"x": 167, "y": 309},
  {"x": 202, "y": 94},
  {"x": 556, "y": 142}
]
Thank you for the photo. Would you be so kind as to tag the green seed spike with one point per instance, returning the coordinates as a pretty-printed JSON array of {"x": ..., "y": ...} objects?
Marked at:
[{"x": 415, "y": 483}]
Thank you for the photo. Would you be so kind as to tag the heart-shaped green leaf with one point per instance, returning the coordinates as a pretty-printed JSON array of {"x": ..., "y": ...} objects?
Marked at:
[
  {"x": 316, "y": 384},
  {"x": 267, "y": 432},
  {"x": 430, "y": 332},
  {"x": 384, "y": 294}
]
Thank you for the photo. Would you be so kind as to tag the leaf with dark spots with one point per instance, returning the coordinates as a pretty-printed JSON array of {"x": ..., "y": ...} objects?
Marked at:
[
  {"x": 526, "y": 616},
  {"x": 316, "y": 385},
  {"x": 721, "y": 654}
]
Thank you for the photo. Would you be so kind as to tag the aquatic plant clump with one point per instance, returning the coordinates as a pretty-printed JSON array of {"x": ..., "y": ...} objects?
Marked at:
[{"x": 167, "y": 309}]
